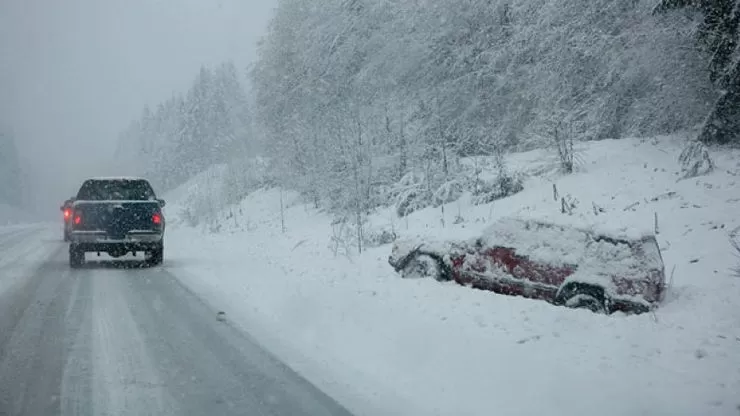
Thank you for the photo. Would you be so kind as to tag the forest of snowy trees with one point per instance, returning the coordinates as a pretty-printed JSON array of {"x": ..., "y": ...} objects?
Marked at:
[
  {"x": 188, "y": 133},
  {"x": 360, "y": 103}
]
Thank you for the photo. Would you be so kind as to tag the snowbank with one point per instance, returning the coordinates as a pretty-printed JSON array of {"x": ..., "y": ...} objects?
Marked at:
[{"x": 386, "y": 345}]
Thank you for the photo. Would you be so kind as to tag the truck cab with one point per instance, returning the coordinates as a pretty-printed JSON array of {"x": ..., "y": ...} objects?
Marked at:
[{"x": 116, "y": 216}]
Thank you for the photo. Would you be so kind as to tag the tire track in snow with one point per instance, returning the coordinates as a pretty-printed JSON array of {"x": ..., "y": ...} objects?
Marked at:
[
  {"x": 32, "y": 343},
  {"x": 125, "y": 380},
  {"x": 76, "y": 385},
  {"x": 111, "y": 340}
]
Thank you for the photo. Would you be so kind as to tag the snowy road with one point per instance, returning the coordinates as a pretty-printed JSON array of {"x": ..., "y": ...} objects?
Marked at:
[{"x": 110, "y": 339}]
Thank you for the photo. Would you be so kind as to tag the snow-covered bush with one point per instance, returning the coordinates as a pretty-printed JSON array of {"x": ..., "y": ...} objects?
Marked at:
[
  {"x": 412, "y": 200},
  {"x": 410, "y": 194},
  {"x": 408, "y": 181},
  {"x": 449, "y": 191},
  {"x": 695, "y": 160},
  {"x": 342, "y": 238},
  {"x": 379, "y": 237},
  {"x": 502, "y": 186}
]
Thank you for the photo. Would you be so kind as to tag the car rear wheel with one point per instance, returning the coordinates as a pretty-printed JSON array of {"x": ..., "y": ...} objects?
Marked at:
[
  {"x": 584, "y": 296},
  {"x": 422, "y": 266},
  {"x": 586, "y": 301}
]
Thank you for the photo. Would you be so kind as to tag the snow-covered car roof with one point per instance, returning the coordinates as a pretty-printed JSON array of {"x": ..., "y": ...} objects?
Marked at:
[
  {"x": 555, "y": 243},
  {"x": 595, "y": 250}
]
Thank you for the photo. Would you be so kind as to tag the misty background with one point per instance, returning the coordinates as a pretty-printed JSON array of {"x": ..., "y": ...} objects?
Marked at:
[
  {"x": 355, "y": 104},
  {"x": 74, "y": 73}
]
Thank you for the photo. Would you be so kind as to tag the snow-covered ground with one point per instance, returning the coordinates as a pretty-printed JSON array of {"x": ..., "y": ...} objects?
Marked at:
[
  {"x": 12, "y": 215},
  {"x": 387, "y": 346},
  {"x": 23, "y": 247}
]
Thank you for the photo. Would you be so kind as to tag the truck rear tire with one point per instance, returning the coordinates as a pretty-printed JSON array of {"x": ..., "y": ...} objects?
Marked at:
[
  {"x": 155, "y": 257},
  {"x": 76, "y": 257}
]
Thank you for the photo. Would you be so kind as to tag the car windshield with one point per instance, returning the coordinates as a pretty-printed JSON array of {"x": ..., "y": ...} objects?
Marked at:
[{"x": 116, "y": 190}]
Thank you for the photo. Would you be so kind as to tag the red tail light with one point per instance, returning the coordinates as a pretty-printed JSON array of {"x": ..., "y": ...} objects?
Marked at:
[
  {"x": 67, "y": 214},
  {"x": 156, "y": 219},
  {"x": 78, "y": 219}
]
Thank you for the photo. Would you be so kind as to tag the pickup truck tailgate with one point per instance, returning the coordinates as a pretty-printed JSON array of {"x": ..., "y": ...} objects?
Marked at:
[{"x": 116, "y": 218}]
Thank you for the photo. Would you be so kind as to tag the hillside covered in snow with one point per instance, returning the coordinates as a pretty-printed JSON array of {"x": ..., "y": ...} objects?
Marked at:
[{"x": 421, "y": 347}]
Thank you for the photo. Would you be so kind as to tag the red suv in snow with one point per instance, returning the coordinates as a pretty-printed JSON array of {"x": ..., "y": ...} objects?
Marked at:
[{"x": 561, "y": 264}]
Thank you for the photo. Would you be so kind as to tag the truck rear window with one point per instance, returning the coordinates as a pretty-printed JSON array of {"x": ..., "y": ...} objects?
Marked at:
[{"x": 116, "y": 190}]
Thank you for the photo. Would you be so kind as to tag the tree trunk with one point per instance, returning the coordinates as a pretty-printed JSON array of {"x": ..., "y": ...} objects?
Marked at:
[
  {"x": 282, "y": 211},
  {"x": 403, "y": 144},
  {"x": 722, "y": 126}
]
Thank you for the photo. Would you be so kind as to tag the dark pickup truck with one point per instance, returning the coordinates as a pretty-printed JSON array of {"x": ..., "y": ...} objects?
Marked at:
[{"x": 116, "y": 216}]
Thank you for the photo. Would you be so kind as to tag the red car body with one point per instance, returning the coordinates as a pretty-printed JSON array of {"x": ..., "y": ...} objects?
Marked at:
[{"x": 560, "y": 264}]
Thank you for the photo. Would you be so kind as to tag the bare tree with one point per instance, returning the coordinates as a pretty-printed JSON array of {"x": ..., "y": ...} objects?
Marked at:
[
  {"x": 562, "y": 136},
  {"x": 735, "y": 242}
]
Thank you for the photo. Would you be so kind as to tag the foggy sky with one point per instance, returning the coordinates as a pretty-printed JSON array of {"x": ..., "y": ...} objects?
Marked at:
[{"x": 74, "y": 73}]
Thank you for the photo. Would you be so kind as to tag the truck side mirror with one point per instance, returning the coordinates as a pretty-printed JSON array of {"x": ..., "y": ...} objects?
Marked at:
[{"x": 162, "y": 202}]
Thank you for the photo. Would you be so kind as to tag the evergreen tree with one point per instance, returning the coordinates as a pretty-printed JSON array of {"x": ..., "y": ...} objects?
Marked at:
[
  {"x": 719, "y": 35},
  {"x": 188, "y": 133}
]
